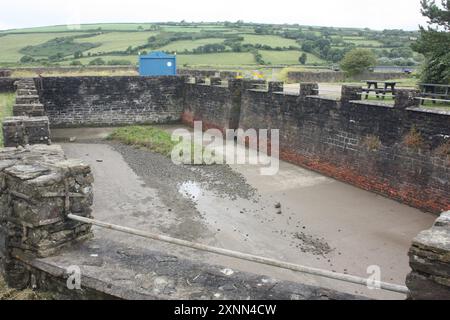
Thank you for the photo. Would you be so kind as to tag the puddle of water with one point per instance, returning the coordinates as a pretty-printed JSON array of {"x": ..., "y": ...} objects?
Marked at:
[{"x": 190, "y": 190}]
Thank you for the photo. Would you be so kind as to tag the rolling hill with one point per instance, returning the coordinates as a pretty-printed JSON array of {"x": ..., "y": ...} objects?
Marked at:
[{"x": 199, "y": 44}]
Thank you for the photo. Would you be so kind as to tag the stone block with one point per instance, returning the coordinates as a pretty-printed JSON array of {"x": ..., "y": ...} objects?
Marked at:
[
  {"x": 309, "y": 89},
  {"x": 30, "y": 110},
  {"x": 430, "y": 262},
  {"x": 275, "y": 86},
  {"x": 40, "y": 187},
  {"x": 20, "y": 131},
  {"x": 406, "y": 98},
  {"x": 215, "y": 81},
  {"x": 27, "y": 99},
  {"x": 351, "y": 93}
]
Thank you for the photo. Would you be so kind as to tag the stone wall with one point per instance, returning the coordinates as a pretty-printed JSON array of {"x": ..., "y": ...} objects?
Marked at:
[
  {"x": 5, "y": 73},
  {"x": 110, "y": 101},
  {"x": 208, "y": 73},
  {"x": 39, "y": 187},
  {"x": 29, "y": 125},
  {"x": 222, "y": 112},
  {"x": 400, "y": 152},
  {"x": 339, "y": 76},
  {"x": 430, "y": 262},
  {"x": 72, "y": 69},
  {"x": 7, "y": 84}
]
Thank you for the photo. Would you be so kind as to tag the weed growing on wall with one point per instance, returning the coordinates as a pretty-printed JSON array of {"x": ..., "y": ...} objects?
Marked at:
[
  {"x": 443, "y": 150},
  {"x": 372, "y": 143},
  {"x": 413, "y": 139}
]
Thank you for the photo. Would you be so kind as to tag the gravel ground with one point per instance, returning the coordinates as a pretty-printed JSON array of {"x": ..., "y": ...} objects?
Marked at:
[
  {"x": 158, "y": 170},
  {"x": 160, "y": 173}
]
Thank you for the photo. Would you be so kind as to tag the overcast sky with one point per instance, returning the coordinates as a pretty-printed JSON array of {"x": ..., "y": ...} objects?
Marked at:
[{"x": 375, "y": 14}]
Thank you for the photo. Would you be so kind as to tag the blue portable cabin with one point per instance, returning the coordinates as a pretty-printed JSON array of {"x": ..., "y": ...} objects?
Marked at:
[{"x": 158, "y": 64}]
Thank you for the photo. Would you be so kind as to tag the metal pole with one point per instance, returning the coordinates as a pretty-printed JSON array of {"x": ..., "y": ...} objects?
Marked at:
[{"x": 245, "y": 256}]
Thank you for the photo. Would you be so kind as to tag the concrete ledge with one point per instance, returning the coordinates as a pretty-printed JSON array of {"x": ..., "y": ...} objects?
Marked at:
[
  {"x": 110, "y": 270},
  {"x": 430, "y": 262}
]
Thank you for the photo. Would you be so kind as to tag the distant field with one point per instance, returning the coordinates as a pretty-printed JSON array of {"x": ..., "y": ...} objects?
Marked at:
[
  {"x": 360, "y": 41},
  {"x": 117, "y": 41},
  {"x": 179, "y": 46},
  {"x": 10, "y": 45},
  {"x": 218, "y": 59},
  {"x": 132, "y": 59},
  {"x": 196, "y": 28},
  {"x": 86, "y": 27},
  {"x": 110, "y": 42},
  {"x": 288, "y": 57},
  {"x": 273, "y": 41},
  {"x": 214, "y": 59}
]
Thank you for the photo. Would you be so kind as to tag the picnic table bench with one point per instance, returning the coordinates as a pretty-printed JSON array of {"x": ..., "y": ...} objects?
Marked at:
[
  {"x": 434, "y": 92},
  {"x": 389, "y": 87}
]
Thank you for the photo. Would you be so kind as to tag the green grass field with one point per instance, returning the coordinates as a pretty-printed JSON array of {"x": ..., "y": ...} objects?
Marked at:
[
  {"x": 288, "y": 57},
  {"x": 133, "y": 60},
  {"x": 217, "y": 59},
  {"x": 273, "y": 41},
  {"x": 85, "y": 27},
  {"x": 117, "y": 41},
  {"x": 6, "y": 103},
  {"x": 10, "y": 45},
  {"x": 111, "y": 41},
  {"x": 362, "y": 42},
  {"x": 179, "y": 46}
]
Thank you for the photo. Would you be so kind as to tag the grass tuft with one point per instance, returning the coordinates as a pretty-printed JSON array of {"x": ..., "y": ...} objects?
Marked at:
[
  {"x": 6, "y": 104},
  {"x": 7, "y": 293},
  {"x": 158, "y": 141},
  {"x": 154, "y": 139}
]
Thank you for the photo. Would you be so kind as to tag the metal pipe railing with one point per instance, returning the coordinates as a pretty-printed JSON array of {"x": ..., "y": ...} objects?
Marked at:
[{"x": 245, "y": 256}]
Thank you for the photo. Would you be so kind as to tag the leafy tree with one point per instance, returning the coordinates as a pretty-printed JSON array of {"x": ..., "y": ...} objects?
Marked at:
[
  {"x": 26, "y": 59},
  {"x": 56, "y": 57},
  {"x": 78, "y": 54},
  {"x": 357, "y": 61},
  {"x": 434, "y": 42},
  {"x": 303, "y": 58}
]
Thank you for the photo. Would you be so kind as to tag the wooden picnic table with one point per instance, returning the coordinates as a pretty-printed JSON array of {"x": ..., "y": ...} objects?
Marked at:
[
  {"x": 434, "y": 92},
  {"x": 389, "y": 86}
]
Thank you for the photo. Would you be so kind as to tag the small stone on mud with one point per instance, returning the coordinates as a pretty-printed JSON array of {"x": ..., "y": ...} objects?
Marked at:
[
  {"x": 277, "y": 205},
  {"x": 73, "y": 139},
  {"x": 99, "y": 160}
]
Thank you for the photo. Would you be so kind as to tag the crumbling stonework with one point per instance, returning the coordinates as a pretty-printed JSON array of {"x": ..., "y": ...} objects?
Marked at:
[
  {"x": 7, "y": 84},
  {"x": 39, "y": 188},
  {"x": 21, "y": 131},
  {"x": 29, "y": 125},
  {"x": 5, "y": 73},
  {"x": 430, "y": 262},
  {"x": 27, "y": 100}
]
